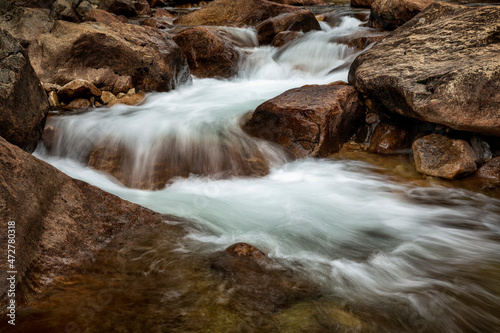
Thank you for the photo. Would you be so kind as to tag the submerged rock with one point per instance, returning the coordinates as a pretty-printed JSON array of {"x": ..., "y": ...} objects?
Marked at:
[
  {"x": 247, "y": 250},
  {"x": 111, "y": 56},
  {"x": 431, "y": 69},
  {"x": 23, "y": 101},
  {"x": 209, "y": 52},
  {"x": 60, "y": 222},
  {"x": 439, "y": 156},
  {"x": 303, "y": 21},
  {"x": 390, "y": 14},
  {"x": 310, "y": 120},
  {"x": 237, "y": 13}
]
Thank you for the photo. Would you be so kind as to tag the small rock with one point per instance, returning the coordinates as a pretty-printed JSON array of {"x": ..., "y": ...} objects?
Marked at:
[
  {"x": 121, "y": 95},
  {"x": 78, "y": 89},
  {"x": 371, "y": 118},
  {"x": 160, "y": 12},
  {"x": 83, "y": 8},
  {"x": 128, "y": 100},
  {"x": 247, "y": 250},
  {"x": 79, "y": 103},
  {"x": 303, "y": 21},
  {"x": 490, "y": 171},
  {"x": 481, "y": 148},
  {"x": 49, "y": 137},
  {"x": 107, "y": 97},
  {"x": 53, "y": 99},
  {"x": 142, "y": 8},
  {"x": 389, "y": 139},
  {"x": 285, "y": 37},
  {"x": 122, "y": 84},
  {"x": 439, "y": 156},
  {"x": 131, "y": 92},
  {"x": 51, "y": 87}
]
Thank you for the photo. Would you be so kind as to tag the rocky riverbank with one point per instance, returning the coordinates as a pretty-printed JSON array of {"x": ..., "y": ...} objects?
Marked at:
[{"x": 428, "y": 90}]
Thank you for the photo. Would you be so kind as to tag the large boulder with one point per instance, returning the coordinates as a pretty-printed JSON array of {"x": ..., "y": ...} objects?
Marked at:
[
  {"x": 102, "y": 16},
  {"x": 27, "y": 24},
  {"x": 59, "y": 222},
  {"x": 111, "y": 56},
  {"x": 390, "y": 14},
  {"x": 23, "y": 102},
  {"x": 238, "y": 13},
  {"x": 433, "y": 70},
  {"x": 310, "y": 120},
  {"x": 303, "y": 21},
  {"x": 439, "y": 156},
  {"x": 209, "y": 52}
]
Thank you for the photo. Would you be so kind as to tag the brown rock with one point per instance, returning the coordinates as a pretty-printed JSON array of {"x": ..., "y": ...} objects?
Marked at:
[
  {"x": 60, "y": 222},
  {"x": 361, "y": 3},
  {"x": 390, "y": 14},
  {"x": 301, "y": 2},
  {"x": 155, "y": 23},
  {"x": 444, "y": 78},
  {"x": 26, "y": 24},
  {"x": 101, "y": 16},
  {"x": 490, "y": 171},
  {"x": 78, "y": 89},
  {"x": 359, "y": 40},
  {"x": 303, "y": 21},
  {"x": 439, "y": 156},
  {"x": 160, "y": 12},
  {"x": 119, "y": 7},
  {"x": 23, "y": 100},
  {"x": 237, "y": 13},
  {"x": 285, "y": 37},
  {"x": 142, "y": 8},
  {"x": 49, "y": 137},
  {"x": 110, "y": 56},
  {"x": 107, "y": 97},
  {"x": 310, "y": 120},
  {"x": 53, "y": 99},
  {"x": 244, "y": 249},
  {"x": 389, "y": 139},
  {"x": 209, "y": 52},
  {"x": 129, "y": 99},
  {"x": 79, "y": 103}
]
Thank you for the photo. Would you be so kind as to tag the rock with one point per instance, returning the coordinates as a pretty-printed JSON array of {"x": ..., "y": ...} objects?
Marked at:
[
  {"x": 79, "y": 103},
  {"x": 160, "y": 12},
  {"x": 155, "y": 23},
  {"x": 118, "y": 7},
  {"x": 83, "y": 8},
  {"x": 65, "y": 10},
  {"x": 209, "y": 53},
  {"x": 310, "y": 120},
  {"x": 107, "y": 97},
  {"x": 244, "y": 249},
  {"x": 438, "y": 156},
  {"x": 481, "y": 148},
  {"x": 113, "y": 57},
  {"x": 53, "y": 99},
  {"x": 142, "y": 8},
  {"x": 371, "y": 118},
  {"x": 27, "y": 24},
  {"x": 359, "y": 40},
  {"x": 303, "y": 21},
  {"x": 444, "y": 78},
  {"x": 301, "y": 2},
  {"x": 51, "y": 87},
  {"x": 490, "y": 172},
  {"x": 131, "y": 92},
  {"x": 361, "y": 3},
  {"x": 23, "y": 101},
  {"x": 389, "y": 139},
  {"x": 285, "y": 37},
  {"x": 238, "y": 13},
  {"x": 101, "y": 16},
  {"x": 78, "y": 89},
  {"x": 128, "y": 99},
  {"x": 390, "y": 14},
  {"x": 60, "y": 222}
]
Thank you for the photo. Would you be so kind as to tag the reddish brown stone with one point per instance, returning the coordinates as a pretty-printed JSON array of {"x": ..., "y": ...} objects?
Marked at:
[
  {"x": 160, "y": 12},
  {"x": 390, "y": 14},
  {"x": 303, "y": 21},
  {"x": 101, "y": 16},
  {"x": 285, "y": 37},
  {"x": 310, "y": 120},
  {"x": 77, "y": 89},
  {"x": 209, "y": 52},
  {"x": 490, "y": 171},
  {"x": 247, "y": 250},
  {"x": 389, "y": 139}
]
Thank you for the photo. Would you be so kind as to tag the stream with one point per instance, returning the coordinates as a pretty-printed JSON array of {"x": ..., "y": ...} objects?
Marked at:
[{"x": 366, "y": 252}]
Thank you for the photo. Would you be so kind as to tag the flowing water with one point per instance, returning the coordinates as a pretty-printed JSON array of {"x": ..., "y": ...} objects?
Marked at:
[{"x": 350, "y": 249}]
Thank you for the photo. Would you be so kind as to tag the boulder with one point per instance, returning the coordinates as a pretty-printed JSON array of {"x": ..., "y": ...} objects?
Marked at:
[
  {"x": 118, "y": 7},
  {"x": 390, "y": 14},
  {"x": 77, "y": 89},
  {"x": 285, "y": 37},
  {"x": 389, "y": 139},
  {"x": 142, "y": 8},
  {"x": 101, "y": 16},
  {"x": 156, "y": 23},
  {"x": 439, "y": 156},
  {"x": 490, "y": 172},
  {"x": 303, "y": 21},
  {"x": 65, "y": 10},
  {"x": 433, "y": 70},
  {"x": 301, "y": 2},
  {"x": 310, "y": 120},
  {"x": 209, "y": 52},
  {"x": 238, "y": 13},
  {"x": 27, "y": 24},
  {"x": 361, "y": 3},
  {"x": 23, "y": 101},
  {"x": 360, "y": 40},
  {"x": 60, "y": 222},
  {"x": 113, "y": 57},
  {"x": 160, "y": 12}
]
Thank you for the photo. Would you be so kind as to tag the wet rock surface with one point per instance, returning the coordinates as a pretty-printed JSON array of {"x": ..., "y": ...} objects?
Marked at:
[
  {"x": 439, "y": 156},
  {"x": 302, "y": 21},
  {"x": 23, "y": 102},
  {"x": 390, "y": 14},
  {"x": 390, "y": 139},
  {"x": 310, "y": 120},
  {"x": 434, "y": 71}
]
